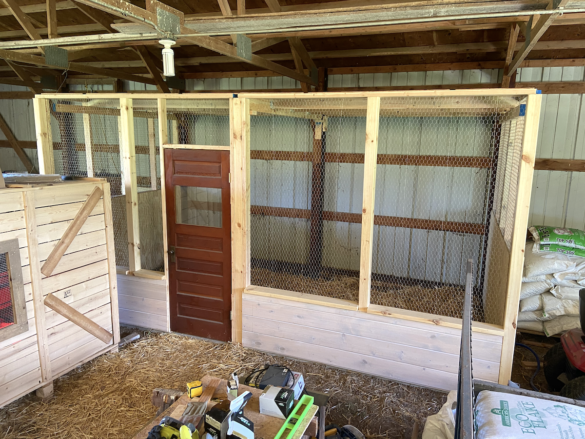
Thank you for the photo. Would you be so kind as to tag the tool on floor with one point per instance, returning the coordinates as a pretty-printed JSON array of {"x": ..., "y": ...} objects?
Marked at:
[
  {"x": 295, "y": 418},
  {"x": 170, "y": 428},
  {"x": 195, "y": 410},
  {"x": 194, "y": 388}
]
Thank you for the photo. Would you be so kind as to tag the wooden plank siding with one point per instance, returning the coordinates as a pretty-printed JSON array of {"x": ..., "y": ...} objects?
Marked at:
[
  {"x": 400, "y": 350},
  {"x": 142, "y": 302}
]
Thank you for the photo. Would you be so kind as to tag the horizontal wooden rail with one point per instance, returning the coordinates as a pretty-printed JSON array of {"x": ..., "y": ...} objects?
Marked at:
[
  {"x": 559, "y": 165},
  {"x": 383, "y": 159},
  {"x": 379, "y": 220}
]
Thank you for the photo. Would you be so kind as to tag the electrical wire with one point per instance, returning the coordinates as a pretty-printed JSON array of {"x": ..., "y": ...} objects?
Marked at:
[{"x": 537, "y": 365}]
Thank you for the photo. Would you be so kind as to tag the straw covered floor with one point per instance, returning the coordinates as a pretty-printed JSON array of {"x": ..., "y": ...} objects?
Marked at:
[{"x": 109, "y": 397}]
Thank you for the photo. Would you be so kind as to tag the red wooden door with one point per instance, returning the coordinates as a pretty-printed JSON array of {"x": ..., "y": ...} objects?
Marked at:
[{"x": 198, "y": 215}]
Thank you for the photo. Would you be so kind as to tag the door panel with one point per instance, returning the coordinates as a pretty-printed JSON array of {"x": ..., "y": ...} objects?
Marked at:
[{"x": 199, "y": 220}]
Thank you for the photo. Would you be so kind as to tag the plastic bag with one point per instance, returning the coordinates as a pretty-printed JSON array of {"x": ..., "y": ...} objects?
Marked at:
[
  {"x": 555, "y": 248},
  {"x": 538, "y": 264},
  {"x": 565, "y": 237},
  {"x": 442, "y": 425}
]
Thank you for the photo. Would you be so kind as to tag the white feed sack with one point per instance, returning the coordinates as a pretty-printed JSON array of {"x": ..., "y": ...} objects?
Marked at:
[
  {"x": 533, "y": 303},
  {"x": 531, "y": 326},
  {"x": 507, "y": 416},
  {"x": 538, "y": 264},
  {"x": 566, "y": 293},
  {"x": 560, "y": 324},
  {"x": 531, "y": 289},
  {"x": 533, "y": 316},
  {"x": 551, "y": 306}
]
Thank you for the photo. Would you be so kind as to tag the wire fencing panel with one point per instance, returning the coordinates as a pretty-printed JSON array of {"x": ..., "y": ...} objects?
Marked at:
[
  {"x": 439, "y": 163},
  {"x": 306, "y": 182},
  {"x": 198, "y": 122},
  {"x": 6, "y": 301}
]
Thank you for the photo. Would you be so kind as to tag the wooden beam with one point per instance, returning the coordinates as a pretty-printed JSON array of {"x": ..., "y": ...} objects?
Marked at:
[
  {"x": 74, "y": 66},
  {"x": 266, "y": 42},
  {"x": 273, "y": 5},
  {"x": 78, "y": 318},
  {"x": 241, "y": 7},
  {"x": 540, "y": 27},
  {"x": 16, "y": 95},
  {"x": 565, "y": 165},
  {"x": 513, "y": 39},
  {"x": 44, "y": 135},
  {"x": 25, "y": 77},
  {"x": 302, "y": 51},
  {"x": 52, "y": 18},
  {"x": 230, "y": 51},
  {"x": 39, "y": 8},
  {"x": 16, "y": 146},
  {"x": 299, "y": 66},
  {"x": 71, "y": 232},
  {"x": 98, "y": 16},
  {"x": 146, "y": 57},
  {"x": 163, "y": 138},
  {"x": 24, "y": 21},
  {"x": 128, "y": 154},
  {"x": 368, "y": 202},
  {"x": 226, "y": 11}
]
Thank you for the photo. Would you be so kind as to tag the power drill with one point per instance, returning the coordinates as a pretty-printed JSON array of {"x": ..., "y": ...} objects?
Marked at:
[{"x": 170, "y": 428}]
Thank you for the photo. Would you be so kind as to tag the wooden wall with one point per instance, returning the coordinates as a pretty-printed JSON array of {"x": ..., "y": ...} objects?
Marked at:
[
  {"x": 401, "y": 350},
  {"x": 143, "y": 302}
]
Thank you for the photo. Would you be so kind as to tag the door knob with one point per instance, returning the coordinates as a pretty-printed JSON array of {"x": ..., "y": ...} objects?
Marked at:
[{"x": 172, "y": 254}]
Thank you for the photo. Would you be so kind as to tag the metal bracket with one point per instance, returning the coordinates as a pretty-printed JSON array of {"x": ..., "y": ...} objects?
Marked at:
[
  {"x": 244, "y": 46},
  {"x": 56, "y": 57},
  {"x": 168, "y": 22}
]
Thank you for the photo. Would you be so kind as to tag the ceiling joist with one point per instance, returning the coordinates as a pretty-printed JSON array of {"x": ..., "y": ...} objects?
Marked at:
[
  {"x": 97, "y": 16},
  {"x": 23, "y": 20},
  {"x": 52, "y": 19}
]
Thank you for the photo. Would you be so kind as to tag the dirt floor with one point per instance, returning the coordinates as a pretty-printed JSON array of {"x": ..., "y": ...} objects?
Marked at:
[
  {"x": 415, "y": 296},
  {"x": 109, "y": 397}
]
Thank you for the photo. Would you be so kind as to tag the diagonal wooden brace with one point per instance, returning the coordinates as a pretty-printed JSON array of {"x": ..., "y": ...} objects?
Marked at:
[
  {"x": 76, "y": 317},
  {"x": 65, "y": 241}
]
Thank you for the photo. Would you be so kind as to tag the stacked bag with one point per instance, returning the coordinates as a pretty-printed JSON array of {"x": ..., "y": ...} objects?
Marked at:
[{"x": 554, "y": 272}]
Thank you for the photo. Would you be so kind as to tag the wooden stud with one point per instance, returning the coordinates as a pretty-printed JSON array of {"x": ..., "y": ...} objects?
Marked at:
[
  {"x": 299, "y": 66},
  {"x": 24, "y": 21},
  {"x": 112, "y": 274},
  {"x": 367, "y": 241},
  {"x": 240, "y": 208},
  {"x": 52, "y": 19},
  {"x": 35, "y": 273},
  {"x": 44, "y": 135},
  {"x": 128, "y": 152},
  {"x": 530, "y": 137},
  {"x": 241, "y": 7},
  {"x": 513, "y": 39},
  {"x": 71, "y": 232},
  {"x": 164, "y": 138},
  {"x": 88, "y": 137},
  {"x": 226, "y": 11},
  {"x": 78, "y": 318},
  {"x": 302, "y": 51},
  {"x": 152, "y": 153},
  {"x": 16, "y": 146}
]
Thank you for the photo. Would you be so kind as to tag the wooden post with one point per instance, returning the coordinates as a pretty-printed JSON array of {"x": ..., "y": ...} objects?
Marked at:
[
  {"x": 128, "y": 152},
  {"x": 240, "y": 205},
  {"x": 87, "y": 134},
  {"x": 370, "y": 162},
  {"x": 152, "y": 153},
  {"x": 112, "y": 275},
  {"x": 163, "y": 137},
  {"x": 35, "y": 275},
  {"x": 532, "y": 117},
  {"x": 44, "y": 135},
  {"x": 122, "y": 187}
]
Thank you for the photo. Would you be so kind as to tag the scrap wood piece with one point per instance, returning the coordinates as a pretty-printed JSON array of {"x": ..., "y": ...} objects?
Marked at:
[
  {"x": 16, "y": 146},
  {"x": 76, "y": 317},
  {"x": 65, "y": 241},
  {"x": 162, "y": 399}
]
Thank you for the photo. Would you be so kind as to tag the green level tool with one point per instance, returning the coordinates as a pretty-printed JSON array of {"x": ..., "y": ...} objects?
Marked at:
[{"x": 293, "y": 421}]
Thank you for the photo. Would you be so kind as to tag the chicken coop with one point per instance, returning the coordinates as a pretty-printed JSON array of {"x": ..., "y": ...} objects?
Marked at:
[
  {"x": 58, "y": 299},
  {"x": 334, "y": 227}
]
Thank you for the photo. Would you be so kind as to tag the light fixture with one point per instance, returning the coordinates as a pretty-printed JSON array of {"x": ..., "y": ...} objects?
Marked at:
[{"x": 168, "y": 57}]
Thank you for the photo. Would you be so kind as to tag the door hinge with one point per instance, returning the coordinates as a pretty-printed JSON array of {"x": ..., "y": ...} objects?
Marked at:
[{"x": 229, "y": 177}]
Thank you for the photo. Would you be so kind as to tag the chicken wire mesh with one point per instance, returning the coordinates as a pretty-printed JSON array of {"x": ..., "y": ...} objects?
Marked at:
[
  {"x": 198, "y": 122},
  {"x": 446, "y": 167},
  {"x": 86, "y": 142},
  {"x": 6, "y": 305},
  {"x": 306, "y": 194}
]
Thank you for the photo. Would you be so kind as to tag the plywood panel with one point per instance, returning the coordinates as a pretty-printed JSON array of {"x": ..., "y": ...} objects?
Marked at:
[
  {"x": 140, "y": 287},
  {"x": 12, "y": 371},
  {"x": 48, "y": 232},
  {"x": 12, "y": 221},
  {"x": 77, "y": 356},
  {"x": 63, "y": 194},
  {"x": 16, "y": 351},
  {"x": 11, "y": 201},
  {"x": 142, "y": 304},
  {"x": 79, "y": 259},
  {"x": 20, "y": 386},
  {"x": 74, "y": 277},
  {"x": 63, "y": 212}
]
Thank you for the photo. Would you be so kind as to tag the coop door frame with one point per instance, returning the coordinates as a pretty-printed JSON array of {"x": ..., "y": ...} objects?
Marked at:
[{"x": 11, "y": 249}]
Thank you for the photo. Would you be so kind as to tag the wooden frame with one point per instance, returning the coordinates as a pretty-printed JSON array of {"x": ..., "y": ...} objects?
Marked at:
[
  {"x": 240, "y": 107},
  {"x": 10, "y": 248}
]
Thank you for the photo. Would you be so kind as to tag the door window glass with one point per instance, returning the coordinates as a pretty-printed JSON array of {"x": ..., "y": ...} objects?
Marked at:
[{"x": 198, "y": 206}]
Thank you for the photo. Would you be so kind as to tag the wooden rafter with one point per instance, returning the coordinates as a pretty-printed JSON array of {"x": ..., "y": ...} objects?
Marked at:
[
  {"x": 241, "y": 7},
  {"x": 514, "y": 31},
  {"x": 299, "y": 67},
  {"x": 266, "y": 42},
  {"x": 52, "y": 18},
  {"x": 300, "y": 49},
  {"x": 24, "y": 76},
  {"x": 24, "y": 21},
  {"x": 533, "y": 34},
  {"x": 146, "y": 57},
  {"x": 16, "y": 146},
  {"x": 226, "y": 11},
  {"x": 98, "y": 16}
]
